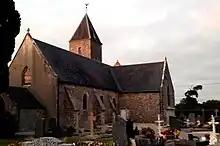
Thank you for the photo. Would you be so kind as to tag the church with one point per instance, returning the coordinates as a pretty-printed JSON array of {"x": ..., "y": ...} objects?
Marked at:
[{"x": 50, "y": 82}]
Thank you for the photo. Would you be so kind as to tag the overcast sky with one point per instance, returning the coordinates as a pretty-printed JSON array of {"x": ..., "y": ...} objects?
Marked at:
[{"x": 138, "y": 31}]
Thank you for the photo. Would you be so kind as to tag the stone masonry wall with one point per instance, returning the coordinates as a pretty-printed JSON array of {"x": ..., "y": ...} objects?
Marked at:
[
  {"x": 85, "y": 46},
  {"x": 88, "y": 49},
  {"x": 143, "y": 107},
  {"x": 28, "y": 119},
  {"x": 66, "y": 108}
]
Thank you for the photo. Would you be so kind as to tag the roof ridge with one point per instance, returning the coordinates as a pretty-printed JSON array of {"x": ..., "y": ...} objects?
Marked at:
[
  {"x": 98, "y": 62},
  {"x": 149, "y": 63}
]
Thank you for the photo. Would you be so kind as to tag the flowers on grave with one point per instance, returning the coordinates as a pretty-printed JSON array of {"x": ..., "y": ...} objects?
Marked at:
[
  {"x": 148, "y": 132},
  {"x": 176, "y": 133},
  {"x": 167, "y": 132},
  {"x": 207, "y": 136}
]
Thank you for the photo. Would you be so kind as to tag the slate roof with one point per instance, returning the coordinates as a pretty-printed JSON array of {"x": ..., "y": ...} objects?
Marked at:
[
  {"x": 75, "y": 69},
  {"x": 86, "y": 30},
  {"x": 24, "y": 98},
  {"x": 139, "y": 77}
]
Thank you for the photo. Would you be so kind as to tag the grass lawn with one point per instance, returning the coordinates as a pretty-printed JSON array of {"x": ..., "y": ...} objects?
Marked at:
[{"x": 5, "y": 142}]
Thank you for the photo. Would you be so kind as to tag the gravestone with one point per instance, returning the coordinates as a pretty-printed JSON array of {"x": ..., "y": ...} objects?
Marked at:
[
  {"x": 213, "y": 136},
  {"x": 159, "y": 122},
  {"x": 142, "y": 141},
  {"x": 119, "y": 131},
  {"x": 174, "y": 123},
  {"x": 40, "y": 128},
  {"x": 124, "y": 114},
  {"x": 192, "y": 118}
]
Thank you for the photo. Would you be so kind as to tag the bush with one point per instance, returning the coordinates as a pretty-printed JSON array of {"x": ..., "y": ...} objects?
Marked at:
[
  {"x": 8, "y": 125},
  {"x": 70, "y": 131}
]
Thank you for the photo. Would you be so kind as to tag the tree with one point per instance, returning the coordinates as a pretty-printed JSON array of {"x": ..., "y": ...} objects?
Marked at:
[
  {"x": 193, "y": 92},
  {"x": 10, "y": 23},
  {"x": 189, "y": 103}
]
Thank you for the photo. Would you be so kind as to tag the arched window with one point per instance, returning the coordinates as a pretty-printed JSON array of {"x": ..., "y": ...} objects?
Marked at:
[
  {"x": 26, "y": 76},
  {"x": 79, "y": 50},
  {"x": 114, "y": 102},
  {"x": 102, "y": 99},
  {"x": 85, "y": 101}
]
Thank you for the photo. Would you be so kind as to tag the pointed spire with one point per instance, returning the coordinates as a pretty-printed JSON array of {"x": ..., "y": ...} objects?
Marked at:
[
  {"x": 86, "y": 30},
  {"x": 117, "y": 63},
  {"x": 165, "y": 59}
]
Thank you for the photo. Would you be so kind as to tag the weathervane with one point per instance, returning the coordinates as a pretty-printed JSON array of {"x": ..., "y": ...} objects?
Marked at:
[
  {"x": 86, "y": 4},
  {"x": 28, "y": 30}
]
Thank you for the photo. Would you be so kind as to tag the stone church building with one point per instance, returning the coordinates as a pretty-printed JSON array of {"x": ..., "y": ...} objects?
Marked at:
[{"x": 50, "y": 82}]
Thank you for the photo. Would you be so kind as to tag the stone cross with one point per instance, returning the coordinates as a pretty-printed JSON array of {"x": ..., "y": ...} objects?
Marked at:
[
  {"x": 91, "y": 123},
  {"x": 213, "y": 137},
  {"x": 159, "y": 124}
]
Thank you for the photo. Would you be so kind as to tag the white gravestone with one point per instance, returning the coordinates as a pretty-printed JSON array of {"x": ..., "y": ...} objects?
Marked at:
[
  {"x": 124, "y": 114},
  {"x": 213, "y": 137},
  {"x": 187, "y": 122},
  {"x": 159, "y": 124}
]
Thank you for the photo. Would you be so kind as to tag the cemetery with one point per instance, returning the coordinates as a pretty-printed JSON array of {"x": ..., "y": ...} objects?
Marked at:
[{"x": 124, "y": 132}]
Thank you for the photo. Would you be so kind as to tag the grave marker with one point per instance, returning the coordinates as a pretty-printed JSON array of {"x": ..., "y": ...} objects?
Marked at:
[
  {"x": 159, "y": 124},
  {"x": 174, "y": 123},
  {"x": 187, "y": 122},
  {"x": 91, "y": 123},
  {"x": 119, "y": 131},
  {"x": 213, "y": 137},
  {"x": 40, "y": 128},
  {"x": 216, "y": 112},
  {"x": 192, "y": 117}
]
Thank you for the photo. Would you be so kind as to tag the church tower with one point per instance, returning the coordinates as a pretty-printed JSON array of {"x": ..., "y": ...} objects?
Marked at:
[{"x": 85, "y": 41}]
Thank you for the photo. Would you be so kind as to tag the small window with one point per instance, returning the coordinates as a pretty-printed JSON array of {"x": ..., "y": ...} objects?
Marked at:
[
  {"x": 79, "y": 50},
  {"x": 85, "y": 101},
  {"x": 26, "y": 76},
  {"x": 102, "y": 99}
]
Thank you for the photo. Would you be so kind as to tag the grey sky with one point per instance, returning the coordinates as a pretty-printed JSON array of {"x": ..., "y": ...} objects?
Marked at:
[{"x": 136, "y": 31}]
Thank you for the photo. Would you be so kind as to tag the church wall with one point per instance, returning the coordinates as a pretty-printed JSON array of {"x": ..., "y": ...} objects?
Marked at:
[
  {"x": 28, "y": 119},
  {"x": 143, "y": 107},
  {"x": 168, "y": 96},
  {"x": 96, "y": 52},
  {"x": 85, "y": 45},
  {"x": 43, "y": 81},
  {"x": 67, "y": 116}
]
